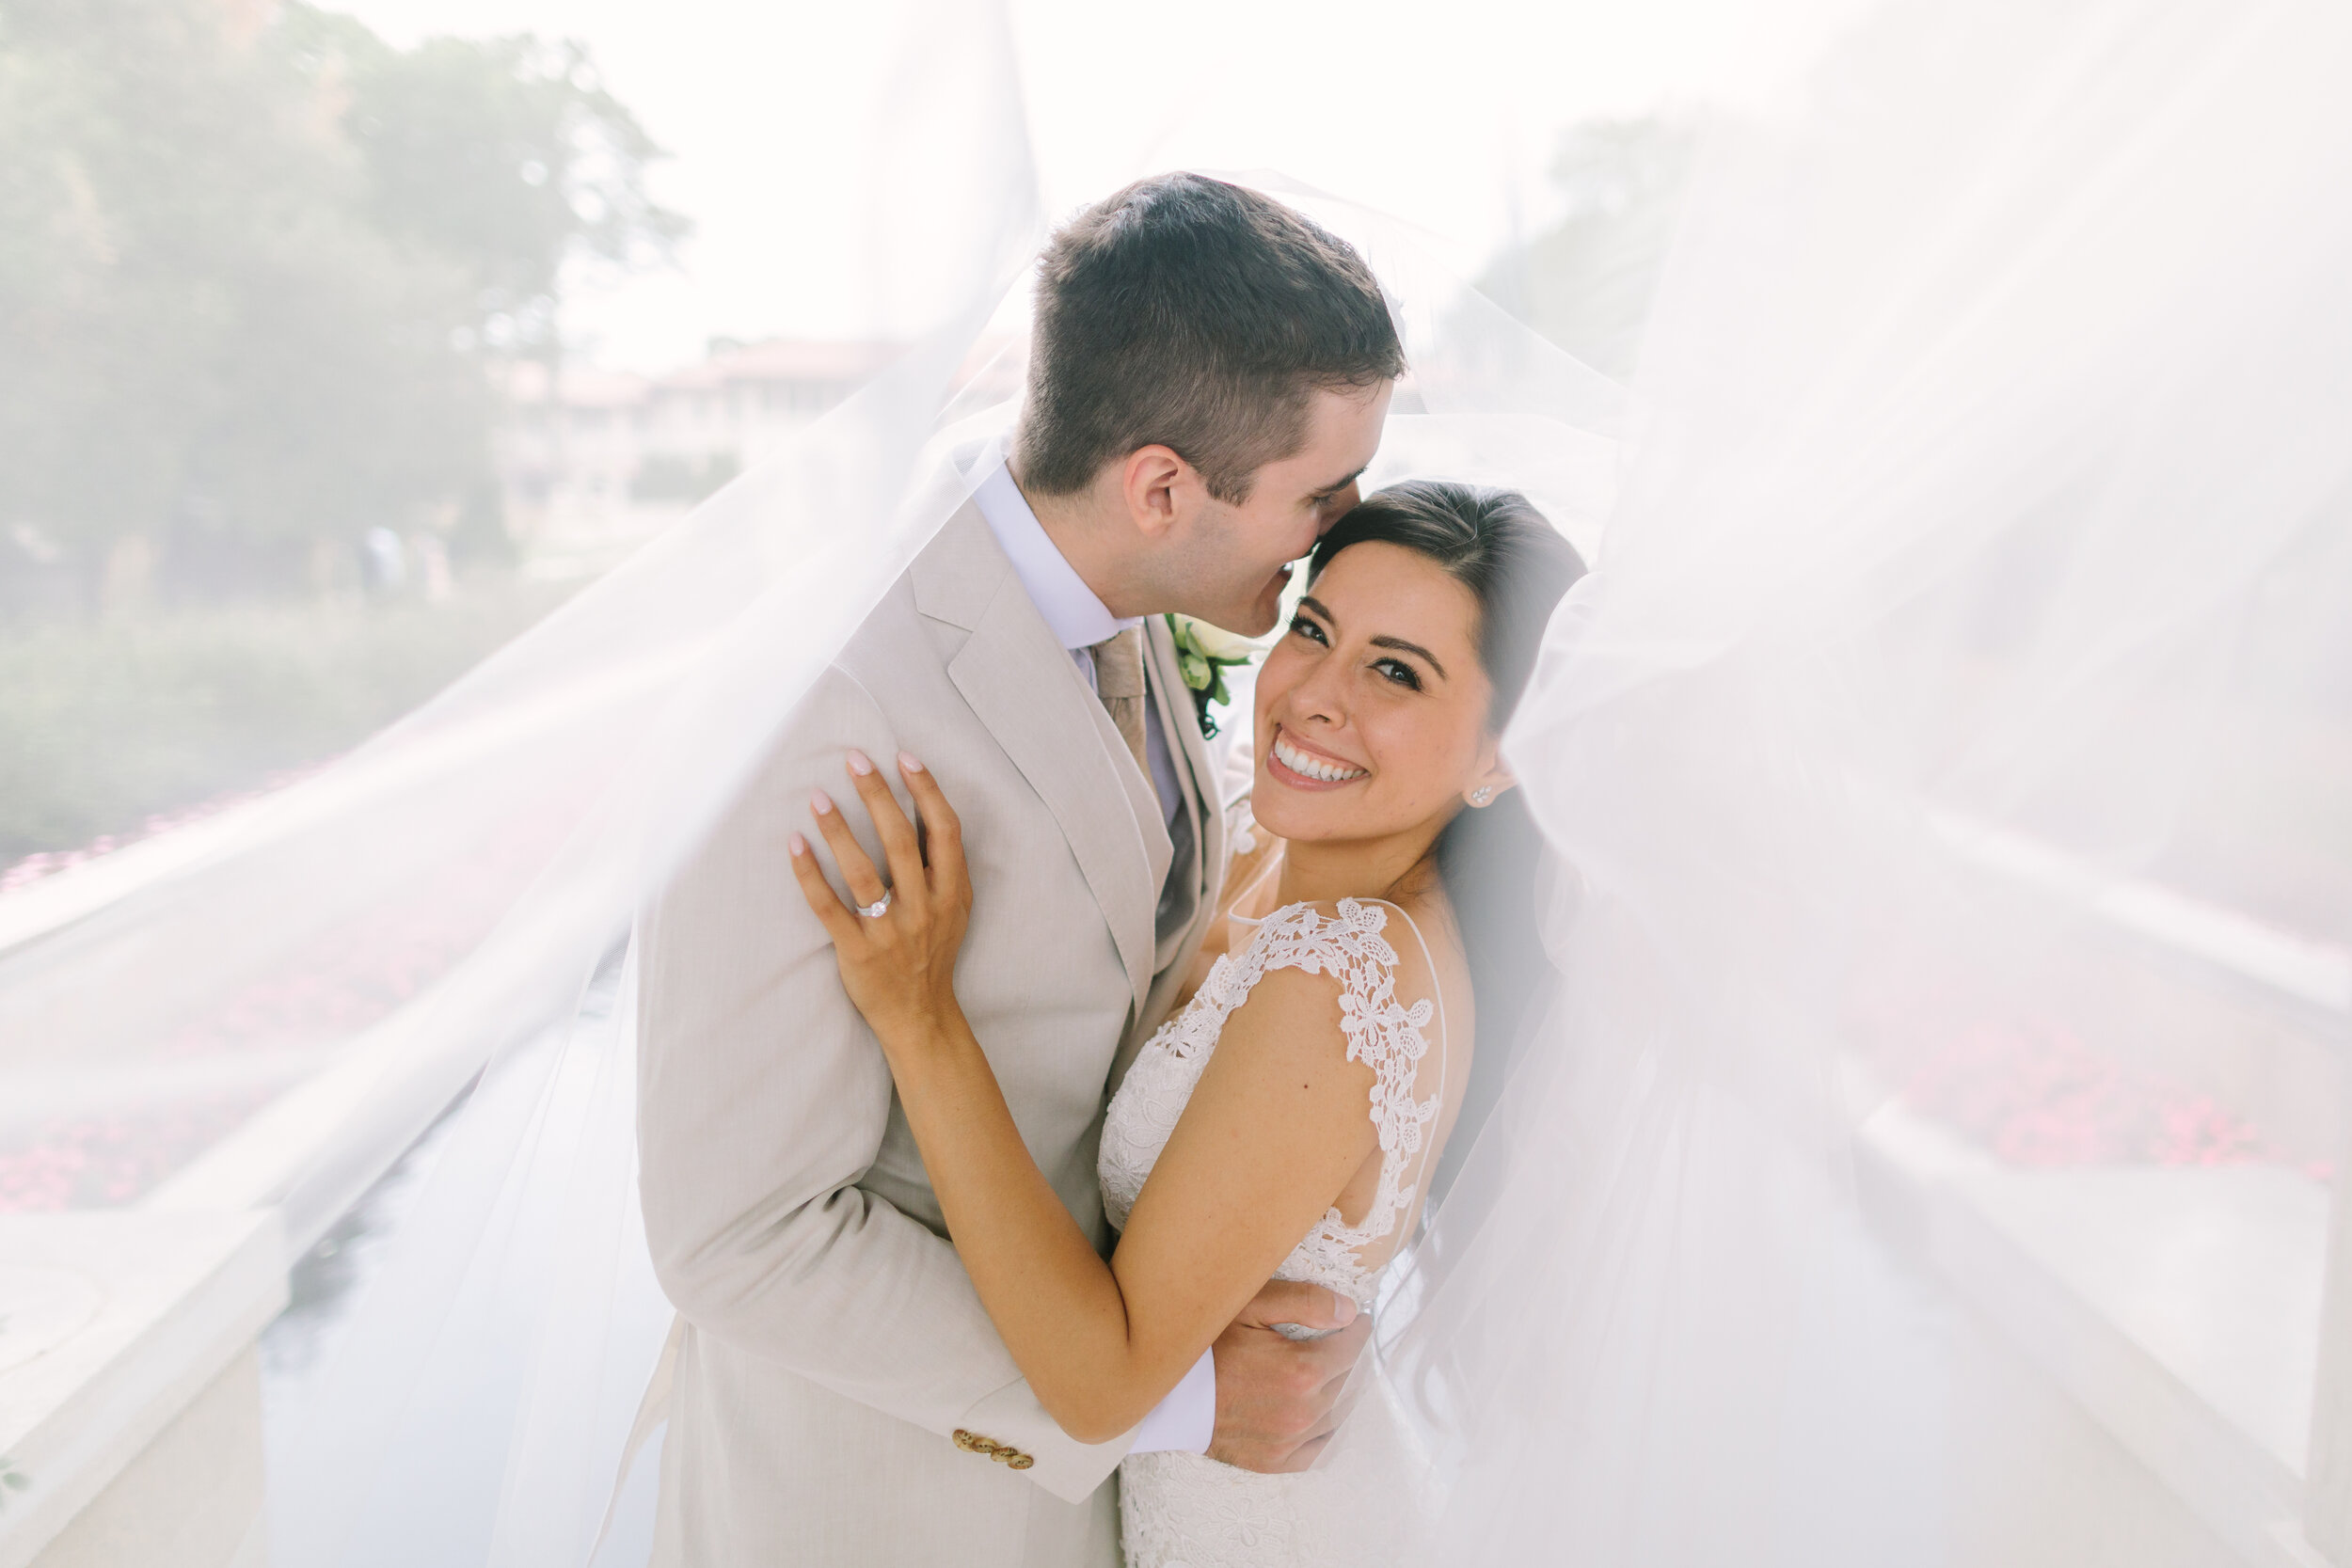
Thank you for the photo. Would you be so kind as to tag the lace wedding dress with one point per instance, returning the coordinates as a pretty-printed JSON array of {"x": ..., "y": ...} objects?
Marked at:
[{"x": 1366, "y": 1501}]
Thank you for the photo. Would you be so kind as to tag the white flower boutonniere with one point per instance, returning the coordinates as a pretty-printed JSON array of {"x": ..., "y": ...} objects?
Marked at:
[{"x": 1204, "y": 652}]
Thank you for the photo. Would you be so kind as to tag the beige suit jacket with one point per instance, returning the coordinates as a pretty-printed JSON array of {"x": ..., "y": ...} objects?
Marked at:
[{"x": 832, "y": 1345}]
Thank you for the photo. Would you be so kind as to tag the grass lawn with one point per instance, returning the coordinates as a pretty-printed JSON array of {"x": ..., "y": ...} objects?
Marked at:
[{"x": 104, "y": 727}]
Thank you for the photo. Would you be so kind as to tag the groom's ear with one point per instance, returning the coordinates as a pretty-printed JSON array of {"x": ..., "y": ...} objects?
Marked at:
[{"x": 1160, "y": 490}]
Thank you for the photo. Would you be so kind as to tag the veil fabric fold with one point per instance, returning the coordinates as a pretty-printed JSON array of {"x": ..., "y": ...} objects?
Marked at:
[{"x": 1990, "y": 478}]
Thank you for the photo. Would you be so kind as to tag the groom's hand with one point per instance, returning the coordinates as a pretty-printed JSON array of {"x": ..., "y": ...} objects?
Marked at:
[{"x": 1277, "y": 1397}]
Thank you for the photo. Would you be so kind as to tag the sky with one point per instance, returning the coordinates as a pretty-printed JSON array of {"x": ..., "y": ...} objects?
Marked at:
[{"x": 1442, "y": 112}]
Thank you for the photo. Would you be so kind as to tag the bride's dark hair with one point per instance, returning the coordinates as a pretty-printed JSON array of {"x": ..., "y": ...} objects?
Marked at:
[{"x": 1492, "y": 860}]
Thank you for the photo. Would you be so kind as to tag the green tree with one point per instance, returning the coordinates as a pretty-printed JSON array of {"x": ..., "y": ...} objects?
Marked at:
[
  {"x": 205, "y": 344},
  {"x": 505, "y": 156},
  {"x": 1587, "y": 282},
  {"x": 247, "y": 279}
]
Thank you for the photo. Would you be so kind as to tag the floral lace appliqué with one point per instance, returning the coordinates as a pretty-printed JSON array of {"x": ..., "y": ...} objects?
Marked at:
[{"x": 1381, "y": 1032}]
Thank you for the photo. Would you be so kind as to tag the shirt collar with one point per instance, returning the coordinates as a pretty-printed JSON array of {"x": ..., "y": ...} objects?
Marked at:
[{"x": 1075, "y": 612}]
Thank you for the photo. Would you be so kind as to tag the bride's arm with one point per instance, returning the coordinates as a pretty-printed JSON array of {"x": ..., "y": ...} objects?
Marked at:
[{"x": 1272, "y": 1134}]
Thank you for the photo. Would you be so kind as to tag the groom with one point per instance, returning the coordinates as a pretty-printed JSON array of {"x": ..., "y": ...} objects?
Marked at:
[{"x": 1208, "y": 377}]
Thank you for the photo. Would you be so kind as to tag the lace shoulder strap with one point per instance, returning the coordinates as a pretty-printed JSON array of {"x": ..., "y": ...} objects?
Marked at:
[{"x": 1381, "y": 1032}]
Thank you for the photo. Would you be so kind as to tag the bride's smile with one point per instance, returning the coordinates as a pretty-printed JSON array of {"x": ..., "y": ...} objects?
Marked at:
[{"x": 1303, "y": 767}]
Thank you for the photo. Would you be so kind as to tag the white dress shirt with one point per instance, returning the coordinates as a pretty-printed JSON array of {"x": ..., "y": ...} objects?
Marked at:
[{"x": 1186, "y": 1420}]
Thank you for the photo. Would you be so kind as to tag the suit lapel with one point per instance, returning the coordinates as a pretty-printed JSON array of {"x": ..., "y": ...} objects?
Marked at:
[{"x": 1024, "y": 686}]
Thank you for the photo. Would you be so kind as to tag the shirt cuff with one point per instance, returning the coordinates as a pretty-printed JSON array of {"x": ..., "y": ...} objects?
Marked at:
[{"x": 1186, "y": 1421}]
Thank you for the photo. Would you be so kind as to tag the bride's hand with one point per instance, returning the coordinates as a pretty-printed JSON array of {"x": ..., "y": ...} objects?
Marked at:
[{"x": 898, "y": 966}]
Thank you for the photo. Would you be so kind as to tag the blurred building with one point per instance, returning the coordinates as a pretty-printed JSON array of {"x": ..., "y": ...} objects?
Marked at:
[{"x": 612, "y": 458}]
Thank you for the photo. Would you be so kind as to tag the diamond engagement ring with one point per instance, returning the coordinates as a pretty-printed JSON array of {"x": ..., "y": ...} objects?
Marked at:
[{"x": 874, "y": 909}]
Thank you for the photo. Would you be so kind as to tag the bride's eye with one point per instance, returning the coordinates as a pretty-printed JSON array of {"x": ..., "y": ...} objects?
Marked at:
[
  {"x": 1305, "y": 627},
  {"x": 1401, "y": 673}
]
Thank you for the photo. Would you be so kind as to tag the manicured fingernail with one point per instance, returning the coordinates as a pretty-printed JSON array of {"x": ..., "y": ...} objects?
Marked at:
[
  {"x": 907, "y": 761},
  {"x": 1343, "y": 1310},
  {"x": 858, "y": 763},
  {"x": 799, "y": 845},
  {"x": 819, "y": 803}
]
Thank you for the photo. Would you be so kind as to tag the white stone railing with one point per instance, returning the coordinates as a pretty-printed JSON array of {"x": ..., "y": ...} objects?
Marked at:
[
  {"x": 129, "y": 1387},
  {"x": 2201, "y": 1317},
  {"x": 130, "y": 1394},
  {"x": 130, "y": 1413}
]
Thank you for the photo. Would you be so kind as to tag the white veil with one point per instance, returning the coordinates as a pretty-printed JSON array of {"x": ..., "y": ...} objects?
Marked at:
[
  {"x": 1928, "y": 735},
  {"x": 1986, "y": 441}
]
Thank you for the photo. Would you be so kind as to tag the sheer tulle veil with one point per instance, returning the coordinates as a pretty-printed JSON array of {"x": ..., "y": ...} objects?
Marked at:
[
  {"x": 1987, "y": 496},
  {"x": 1982, "y": 487}
]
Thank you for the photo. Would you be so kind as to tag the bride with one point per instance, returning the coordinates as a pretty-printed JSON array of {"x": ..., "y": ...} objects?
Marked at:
[{"x": 1285, "y": 1121}]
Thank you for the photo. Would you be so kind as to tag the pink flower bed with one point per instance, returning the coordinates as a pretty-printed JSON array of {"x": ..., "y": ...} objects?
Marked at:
[
  {"x": 2037, "y": 1094},
  {"x": 357, "y": 973},
  {"x": 101, "y": 1161},
  {"x": 349, "y": 974},
  {"x": 48, "y": 863}
]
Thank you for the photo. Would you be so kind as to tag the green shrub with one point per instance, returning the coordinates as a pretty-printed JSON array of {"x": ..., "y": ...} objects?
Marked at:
[{"x": 102, "y": 727}]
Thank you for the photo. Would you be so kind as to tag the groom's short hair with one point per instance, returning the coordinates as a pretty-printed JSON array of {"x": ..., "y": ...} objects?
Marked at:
[{"x": 1193, "y": 315}]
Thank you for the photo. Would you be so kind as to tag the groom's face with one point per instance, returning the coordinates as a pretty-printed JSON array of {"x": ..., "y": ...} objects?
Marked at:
[{"x": 1242, "y": 560}]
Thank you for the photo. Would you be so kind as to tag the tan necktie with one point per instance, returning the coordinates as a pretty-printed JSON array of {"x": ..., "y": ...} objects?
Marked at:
[{"x": 1119, "y": 681}]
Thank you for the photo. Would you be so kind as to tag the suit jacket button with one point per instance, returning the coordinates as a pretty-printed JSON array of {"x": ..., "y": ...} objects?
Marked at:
[{"x": 1018, "y": 1461}]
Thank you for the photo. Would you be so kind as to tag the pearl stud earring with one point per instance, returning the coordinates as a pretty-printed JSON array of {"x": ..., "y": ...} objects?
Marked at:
[{"x": 1480, "y": 796}]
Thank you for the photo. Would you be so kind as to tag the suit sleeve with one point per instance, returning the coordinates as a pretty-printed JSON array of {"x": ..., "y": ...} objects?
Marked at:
[{"x": 763, "y": 1100}]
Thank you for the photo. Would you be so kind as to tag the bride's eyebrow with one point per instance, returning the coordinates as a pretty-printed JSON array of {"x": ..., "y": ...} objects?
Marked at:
[
  {"x": 1323, "y": 612},
  {"x": 1414, "y": 648}
]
